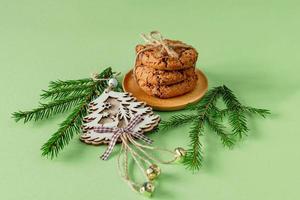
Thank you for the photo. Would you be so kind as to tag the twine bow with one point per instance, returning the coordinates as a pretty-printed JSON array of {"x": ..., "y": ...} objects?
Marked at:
[
  {"x": 118, "y": 132},
  {"x": 95, "y": 76},
  {"x": 155, "y": 39}
]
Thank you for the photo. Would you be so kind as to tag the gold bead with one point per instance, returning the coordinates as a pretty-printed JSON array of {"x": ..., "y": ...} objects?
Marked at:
[
  {"x": 155, "y": 168},
  {"x": 151, "y": 174}
]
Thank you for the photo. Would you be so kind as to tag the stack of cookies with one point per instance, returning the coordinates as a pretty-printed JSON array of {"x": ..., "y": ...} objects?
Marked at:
[{"x": 162, "y": 75}]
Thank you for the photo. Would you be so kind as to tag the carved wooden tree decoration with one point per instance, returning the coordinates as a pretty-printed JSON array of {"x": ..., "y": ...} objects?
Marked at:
[{"x": 115, "y": 109}]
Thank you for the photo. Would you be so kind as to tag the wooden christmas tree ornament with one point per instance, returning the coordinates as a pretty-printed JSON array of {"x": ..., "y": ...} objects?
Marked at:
[
  {"x": 118, "y": 117},
  {"x": 116, "y": 109}
]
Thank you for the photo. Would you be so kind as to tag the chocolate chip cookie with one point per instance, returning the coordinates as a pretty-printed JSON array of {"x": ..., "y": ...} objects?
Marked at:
[
  {"x": 168, "y": 91},
  {"x": 158, "y": 58},
  {"x": 151, "y": 76}
]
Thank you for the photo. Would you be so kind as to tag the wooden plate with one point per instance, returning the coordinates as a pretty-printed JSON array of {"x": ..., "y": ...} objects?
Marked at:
[{"x": 175, "y": 103}]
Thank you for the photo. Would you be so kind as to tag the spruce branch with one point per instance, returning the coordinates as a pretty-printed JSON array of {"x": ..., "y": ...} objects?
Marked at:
[
  {"x": 206, "y": 113},
  {"x": 237, "y": 116},
  {"x": 262, "y": 112},
  {"x": 61, "y": 93},
  {"x": 45, "y": 110},
  {"x": 72, "y": 124},
  {"x": 248, "y": 110},
  {"x": 70, "y": 83},
  {"x": 66, "y": 95},
  {"x": 230, "y": 99},
  {"x": 194, "y": 155},
  {"x": 219, "y": 129},
  {"x": 66, "y": 131},
  {"x": 106, "y": 73},
  {"x": 238, "y": 122}
]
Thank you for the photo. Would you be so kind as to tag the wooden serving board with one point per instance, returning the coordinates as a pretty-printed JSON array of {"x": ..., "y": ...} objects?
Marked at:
[{"x": 175, "y": 103}]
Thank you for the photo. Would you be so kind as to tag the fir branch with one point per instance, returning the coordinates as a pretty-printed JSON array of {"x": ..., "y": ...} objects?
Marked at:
[
  {"x": 247, "y": 109},
  {"x": 194, "y": 156},
  {"x": 262, "y": 112},
  {"x": 65, "y": 95},
  {"x": 238, "y": 122},
  {"x": 208, "y": 114},
  {"x": 65, "y": 133},
  {"x": 72, "y": 124},
  {"x": 70, "y": 83},
  {"x": 60, "y": 93},
  {"x": 219, "y": 128},
  {"x": 106, "y": 73},
  {"x": 205, "y": 107},
  {"x": 45, "y": 110},
  {"x": 237, "y": 116},
  {"x": 230, "y": 99}
]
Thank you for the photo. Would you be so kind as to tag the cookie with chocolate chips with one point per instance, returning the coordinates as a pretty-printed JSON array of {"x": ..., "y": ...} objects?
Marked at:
[
  {"x": 152, "y": 76},
  {"x": 168, "y": 91},
  {"x": 158, "y": 57}
]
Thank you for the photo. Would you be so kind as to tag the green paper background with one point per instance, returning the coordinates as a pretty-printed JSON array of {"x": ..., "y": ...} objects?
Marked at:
[{"x": 251, "y": 46}]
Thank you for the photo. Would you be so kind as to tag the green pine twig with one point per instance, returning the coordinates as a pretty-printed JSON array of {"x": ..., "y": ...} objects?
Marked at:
[
  {"x": 206, "y": 113},
  {"x": 65, "y": 95},
  {"x": 69, "y": 83},
  {"x": 219, "y": 129},
  {"x": 72, "y": 124},
  {"x": 46, "y": 110},
  {"x": 61, "y": 93},
  {"x": 237, "y": 116},
  {"x": 194, "y": 155},
  {"x": 262, "y": 112},
  {"x": 66, "y": 131}
]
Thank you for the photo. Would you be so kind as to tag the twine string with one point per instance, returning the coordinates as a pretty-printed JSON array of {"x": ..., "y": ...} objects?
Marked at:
[
  {"x": 138, "y": 154},
  {"x": 134, "y": 156},
  {"x": 141, "y": 157},
  {"x": 94, "y": 76},
  {"x": 125, "y": 176},
  {"x": 128, "y": 137},
  {"x": 155, "y": 40},
  {"x": 140, "y": 148}
]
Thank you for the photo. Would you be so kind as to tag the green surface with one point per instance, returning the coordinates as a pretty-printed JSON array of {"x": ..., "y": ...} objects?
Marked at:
[{"x": 251, "y": 46}]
